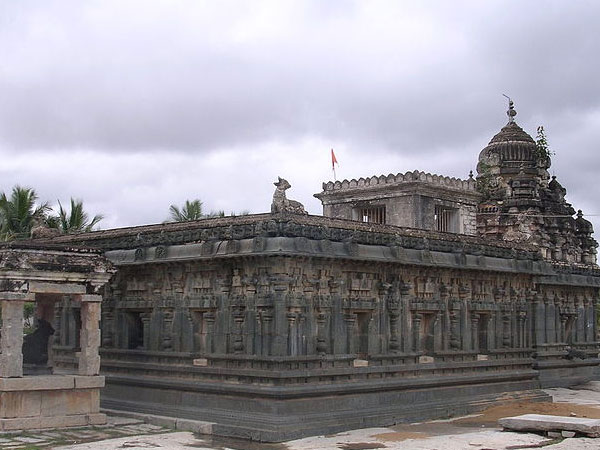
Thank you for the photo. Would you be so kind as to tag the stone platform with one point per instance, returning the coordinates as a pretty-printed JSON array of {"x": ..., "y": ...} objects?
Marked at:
[{"x": 50, "y": 401}]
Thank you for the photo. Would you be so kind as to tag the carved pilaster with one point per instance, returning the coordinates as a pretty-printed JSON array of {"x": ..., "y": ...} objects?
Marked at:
[
  {"x": 475, "y": 331},
  {"x": 416, "y": 322},
  {"x": 167, "y": 338},
  {"x": 350, "y": 320},
  {"x": 454, "y": 330},
  {"x": 238, "y": 340},
  {"x": 321, "y": 336}
]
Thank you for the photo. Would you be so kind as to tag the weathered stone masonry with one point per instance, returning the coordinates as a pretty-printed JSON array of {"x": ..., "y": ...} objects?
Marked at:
[{"x": 257, "y": 323}]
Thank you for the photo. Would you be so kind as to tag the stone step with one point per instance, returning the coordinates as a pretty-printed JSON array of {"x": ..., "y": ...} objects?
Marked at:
[{"x": 541, "y": 422}]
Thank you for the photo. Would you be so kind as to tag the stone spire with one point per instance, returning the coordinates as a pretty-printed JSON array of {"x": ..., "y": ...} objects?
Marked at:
[{"x": 520, "y": 204}]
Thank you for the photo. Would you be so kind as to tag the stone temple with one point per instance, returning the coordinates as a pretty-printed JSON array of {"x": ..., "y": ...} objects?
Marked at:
[{"x": 414, "y": 296}]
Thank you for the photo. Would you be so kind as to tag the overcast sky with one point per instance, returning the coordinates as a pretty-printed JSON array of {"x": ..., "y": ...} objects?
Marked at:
[{"x": 136, "y": 105}]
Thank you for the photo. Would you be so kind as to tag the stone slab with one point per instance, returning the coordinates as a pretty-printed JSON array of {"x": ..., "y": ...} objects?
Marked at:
[
  {"x": 541, "y": 422},
  {"x": 40, "y": 287},
  {"x": 17, "y": 296},
  {"x": 88, "y": 382},
  {"x": 38, "y": 383}
]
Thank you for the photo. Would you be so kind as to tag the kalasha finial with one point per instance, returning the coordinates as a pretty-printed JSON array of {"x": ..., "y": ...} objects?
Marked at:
[{"x": 511, "y": 113}]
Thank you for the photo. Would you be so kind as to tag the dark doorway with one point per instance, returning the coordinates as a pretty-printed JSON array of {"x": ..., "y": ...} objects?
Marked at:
[
  {"x": 482, "y": 333},
  {"x": 135, "y": 330}
]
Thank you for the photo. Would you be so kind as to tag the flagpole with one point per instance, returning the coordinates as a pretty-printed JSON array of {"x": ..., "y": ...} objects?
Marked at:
[{"x": 333, "y": 163}]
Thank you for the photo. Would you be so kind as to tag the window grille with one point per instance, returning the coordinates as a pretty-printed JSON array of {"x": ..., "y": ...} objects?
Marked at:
[
  {"x": 446, "y": 219},
  {"x": 372, "y": 215}
]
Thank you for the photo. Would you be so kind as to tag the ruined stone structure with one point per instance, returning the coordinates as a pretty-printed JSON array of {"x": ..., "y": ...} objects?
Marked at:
[
  {"x": 276, "y": 326},
  {"x": 46, "y": 275}
]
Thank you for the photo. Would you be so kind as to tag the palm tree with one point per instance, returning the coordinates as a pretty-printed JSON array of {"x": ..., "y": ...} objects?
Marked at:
[
  {"x": 75, "y": 221},
  {"x": 19, "y": 213},
  {"x": 190, "y": 211}
]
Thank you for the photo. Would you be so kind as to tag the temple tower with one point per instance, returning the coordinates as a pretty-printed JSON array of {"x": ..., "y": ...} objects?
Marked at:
[{"x": 521, "y": 203}]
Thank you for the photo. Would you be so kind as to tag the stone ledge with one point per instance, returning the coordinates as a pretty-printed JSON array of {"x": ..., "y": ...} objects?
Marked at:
[
  {"x": 540, "y": 422},
  {"x": 50, "y": 383},
  {"x": 33, "y": 423}
]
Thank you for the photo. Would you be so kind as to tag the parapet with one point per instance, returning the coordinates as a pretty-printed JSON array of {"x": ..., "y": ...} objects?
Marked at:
[{"x": 400, "y": 178}]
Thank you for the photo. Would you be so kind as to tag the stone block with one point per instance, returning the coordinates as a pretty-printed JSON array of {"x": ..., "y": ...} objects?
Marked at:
[
  {"x": 21, "y": 423},
  {"x": 567, "y": 434},
  {"x": 540, "y": 422},
  {"x": 195, "y": 426},
  {"x": 20, "y": 404},
  {"x": 200, "y": 362},
  {"x": 163, "y": 421},
  {"x": 96, "y": 419},
  {"x": 79, "y": 420},
  {"x": 66, "y": 403},
  {"x": 39, "y": 287},
  {"x": 483, "y": 357},
  {"x": 426, "y": 359},
  {"x": 360, "y": 363},
  {"x": 37, "y": 383},
  {"x": 87, "y": 382}
]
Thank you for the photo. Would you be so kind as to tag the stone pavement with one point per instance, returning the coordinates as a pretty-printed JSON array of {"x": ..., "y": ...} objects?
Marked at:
[
  {"x": 49, "y": 439},
  {"x": 475, "y": 432}
]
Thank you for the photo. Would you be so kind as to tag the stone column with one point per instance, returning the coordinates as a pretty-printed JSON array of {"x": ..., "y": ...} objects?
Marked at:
[
  {"x": 454, "y": 330},
  {"x": 506, "y": 337},
  {"x": 475, "y": 331},
  {"x": 89, "y": 336},
  {"x": 11, "y": 342},
  {"x": 238, "y": 340},
  {"x": 350, "y": 320},
  {"x": 416, "y": 323},
  {"x": 145, "y": 317},
  {"x": 210, "y": 318},
  {"x": 394, "y": 341},
  {"x": 321, "y": 336}
]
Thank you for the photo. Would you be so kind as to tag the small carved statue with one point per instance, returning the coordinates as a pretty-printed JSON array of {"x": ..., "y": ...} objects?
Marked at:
[
  {"x": 35, "y": 345},
  {"x": 281, "y": 204},
  {"x": 41, "y": 230}
]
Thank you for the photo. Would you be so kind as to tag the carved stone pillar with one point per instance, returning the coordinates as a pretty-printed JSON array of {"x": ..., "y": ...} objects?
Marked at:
[
  {"x": 416, "y": 323},
  {"x": 238, "y": 341},
  {"x": 292, "y": 318},
  {"x": 563, "y": 327},
  {"x": 350, "y": 320},
  {"x": 145, "y": 318},
  {"x": 267, "y": 326},
  {"x": 11, "y": 342},
  {"x": 210, "y": 318},
  {"x": 394, "y": 340},
  {"x": 475, "y": 331},
  {"x": 167, "y": 338},
  {"x": 521, "y": 343},
  {"x": 454, "y": 330},
  {"x": 506, "y": 338},
  {"x": 89, "y": 336},
  {"x": 321, "y": 336}
]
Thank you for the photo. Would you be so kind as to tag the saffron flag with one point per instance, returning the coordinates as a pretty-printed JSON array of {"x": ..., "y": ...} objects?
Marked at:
[{"x": 333, "y": 160}]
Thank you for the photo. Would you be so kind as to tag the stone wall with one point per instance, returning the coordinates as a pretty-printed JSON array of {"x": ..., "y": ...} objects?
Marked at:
[
  {"x": 410, "y": 199},
  {"x": 258, "y": 323}
]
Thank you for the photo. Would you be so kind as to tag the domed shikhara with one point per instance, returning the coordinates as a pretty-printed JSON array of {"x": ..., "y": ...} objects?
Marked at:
[
  {"x": 520, "y": 204},
  {"x": 510, "y": 144}
]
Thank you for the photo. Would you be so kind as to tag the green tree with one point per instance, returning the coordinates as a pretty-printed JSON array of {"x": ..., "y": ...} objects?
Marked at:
[
  {"x": 191, "y": 210},
  {"x": 19, "y": 213},
  {"x": 74, "y": 221}
]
